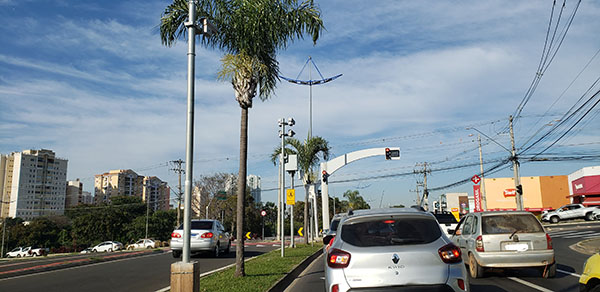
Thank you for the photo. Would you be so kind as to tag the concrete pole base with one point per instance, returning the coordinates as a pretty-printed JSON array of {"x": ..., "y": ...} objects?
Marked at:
[{"x": 185, "y": 277}]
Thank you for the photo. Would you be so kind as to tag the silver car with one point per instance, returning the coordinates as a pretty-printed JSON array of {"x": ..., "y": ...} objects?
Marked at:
[
  {"x": 506, "y": 239},
  {"x": 206, "y": 236},
  {"x": 393, "y": 249}
]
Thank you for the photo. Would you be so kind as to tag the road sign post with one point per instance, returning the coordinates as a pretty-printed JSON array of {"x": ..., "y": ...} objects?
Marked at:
[{"x": 263, "y": 213}]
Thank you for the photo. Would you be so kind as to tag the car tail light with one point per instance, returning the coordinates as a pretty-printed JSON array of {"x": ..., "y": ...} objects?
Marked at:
[
  {"x": 479, "y": 244},
  {"x": 461, "y": 284},
  {"x": 335, "y": 288},
  {"x": 207, "y": 235},
  {"x": 548, "y": 241},
  {"x": 338, "y": 258},
  {"x": 450, "y": 253},
  {"x": 175, "y": 235}
]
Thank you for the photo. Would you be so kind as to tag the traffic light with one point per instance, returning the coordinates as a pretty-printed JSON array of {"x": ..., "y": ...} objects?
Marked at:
[
  {"x": 520, "y": 189},
  {"x": 392, "y": 153},
  {"x": 325, "y": 176},
  {"x": 388, "y": 154}
]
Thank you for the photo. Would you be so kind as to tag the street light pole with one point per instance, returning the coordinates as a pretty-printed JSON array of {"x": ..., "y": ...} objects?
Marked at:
[
  {"x": 282, "y": 135},
  {"x": 483, "y": 199}
]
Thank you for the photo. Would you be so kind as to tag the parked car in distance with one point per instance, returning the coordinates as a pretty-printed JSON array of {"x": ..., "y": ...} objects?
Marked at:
[
  {"x": 568, "y": 212},
  {"x": 394, "y": 249},
  {"x": 504, "y": 239},
  {"x": 447, "y": 222},
  {"x": 87, "y": 250},
  {"x": 143, "y": 243},
  {"x": 108, "y": 246},
  {"x": 34, "y": 251},
  {"x": 589, "y": 281},
  {"x": 205, "y": 236},
  {"x": 17, "y": 252}
]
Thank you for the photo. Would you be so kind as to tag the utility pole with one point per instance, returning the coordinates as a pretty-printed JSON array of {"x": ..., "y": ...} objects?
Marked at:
[
  {"x": 424, "y": 171},
  {"x": 179, "y": 171},
  {"x": 515, "y": 161},
  {"x": 483, "y": 200},
  {"x": 418, "y": 199}
]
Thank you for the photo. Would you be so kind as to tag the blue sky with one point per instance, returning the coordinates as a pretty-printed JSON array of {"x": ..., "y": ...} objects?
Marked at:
[{"x": 91, "y": 81}]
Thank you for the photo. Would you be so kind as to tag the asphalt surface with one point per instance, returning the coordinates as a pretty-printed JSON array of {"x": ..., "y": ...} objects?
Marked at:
[
  {"x": 149, "y": 272},
  {"x": 569, "y": 257}
]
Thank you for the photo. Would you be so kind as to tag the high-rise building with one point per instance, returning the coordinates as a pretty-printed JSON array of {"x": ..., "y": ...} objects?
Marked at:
[
  {"x": 32, "y": 184},
  {"x": 128, "y": 183},
  {"x": 86, "y": 198},
  {"x": 74, "y": 193},
  {"x": 253, "y": 182}
]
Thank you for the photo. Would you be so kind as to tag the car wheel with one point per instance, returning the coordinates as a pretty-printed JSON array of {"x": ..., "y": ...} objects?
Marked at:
[
  {"x": 589, "y": 216},
  {"x": 34, "y": 254},
  {"x": 549, "y": 271},
  {"x": 554, "y": 219},
  {"x": 110, "y": 250},
  {"x": 176, "y": 253},
  {"x": 94, "y": 250},
  {"x": 18, "y": 255},
  {"x": 216, "y": 251},
  {"x": 475, "y": 269},
  {"x": 228, "y": 250}
]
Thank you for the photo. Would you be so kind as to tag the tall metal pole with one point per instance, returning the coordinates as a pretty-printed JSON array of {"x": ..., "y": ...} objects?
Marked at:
[
  {"x": 147, "y": 209},
  {"x": 310, "y": 100},
  {"x": 189, "y": 153},
  {"x": 483, "y": 199},
  {"x": 518, "y": 195},
  {"x": 292, "y": 214},
  {"x": 282, "y": 209}
]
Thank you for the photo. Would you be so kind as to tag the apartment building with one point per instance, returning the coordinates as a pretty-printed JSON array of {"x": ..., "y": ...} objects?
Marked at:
[
  {"x": 32, "y": 184},
  {"x": 126, "y": 182},
  {"x": 74, "y": 193},
  {"x": 253, "y": 182}
]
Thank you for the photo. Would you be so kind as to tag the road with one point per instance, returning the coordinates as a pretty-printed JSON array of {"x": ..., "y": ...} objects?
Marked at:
[
  {"x": 144, "y": 273},
  {"x": 570, "y": 266}
]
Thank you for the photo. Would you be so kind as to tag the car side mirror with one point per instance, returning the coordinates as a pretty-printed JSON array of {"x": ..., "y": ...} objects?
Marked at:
[
  {"x": 327, "y": 239},
  {"x": 450, "y": 231}
]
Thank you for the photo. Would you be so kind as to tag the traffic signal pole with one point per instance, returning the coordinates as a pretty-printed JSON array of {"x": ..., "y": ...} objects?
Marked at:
[{"x": 515, "y": 161}]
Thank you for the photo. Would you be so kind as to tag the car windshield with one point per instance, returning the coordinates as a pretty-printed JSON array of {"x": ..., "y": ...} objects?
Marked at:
[
  {"x": 509, "y": 223},
  {"x": 391, "y": 231},
  {"x": 445, "y": 218}
]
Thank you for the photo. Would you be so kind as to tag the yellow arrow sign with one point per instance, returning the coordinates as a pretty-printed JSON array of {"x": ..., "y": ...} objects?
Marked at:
[
  {"x": 300, "y": 231},
  {"x": 290, "y": 195},
  {"x": 248, "y": 235}
]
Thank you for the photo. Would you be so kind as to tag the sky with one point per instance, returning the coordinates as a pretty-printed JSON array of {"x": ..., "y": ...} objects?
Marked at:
[{"x": 91, "y": 81}]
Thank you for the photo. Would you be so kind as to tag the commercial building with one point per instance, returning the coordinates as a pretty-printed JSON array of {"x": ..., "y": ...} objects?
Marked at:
[
  {"x": 584, "y": 186},
  {"x": 32, "y": 184},
  {"x": 539, "y": 193},
  {"x": 126, "y": 182}
]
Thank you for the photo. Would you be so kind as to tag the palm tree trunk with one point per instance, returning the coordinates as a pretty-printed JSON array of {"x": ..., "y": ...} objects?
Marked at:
[
  {"x": 241, "y": 192},
  {"x": 306, "y": 214}
]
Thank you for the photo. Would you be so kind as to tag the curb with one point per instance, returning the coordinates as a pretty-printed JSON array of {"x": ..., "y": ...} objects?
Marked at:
[
  {"x": 93, "y": 259},
  {"x": 282, "y": 284}
]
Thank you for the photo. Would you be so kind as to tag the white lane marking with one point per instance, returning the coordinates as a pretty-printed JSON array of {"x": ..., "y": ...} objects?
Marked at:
[
  {"x": 591, "y": 235},
  {"x": 531, "y": 285},
  {"x": 579, "y": 235},
  {"x": 568, "y": 273},
  {"x": 82, "y": 266},
  {"x": 571, "y": 233}
]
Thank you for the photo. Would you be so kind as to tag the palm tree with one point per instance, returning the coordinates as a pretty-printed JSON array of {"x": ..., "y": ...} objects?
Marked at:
[
  {"x": 309, "y": 153},
  {"x": 250, "y": 32}
]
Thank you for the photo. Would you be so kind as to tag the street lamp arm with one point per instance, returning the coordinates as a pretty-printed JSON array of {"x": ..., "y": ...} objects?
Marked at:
[{"x": 472, "y": 128}]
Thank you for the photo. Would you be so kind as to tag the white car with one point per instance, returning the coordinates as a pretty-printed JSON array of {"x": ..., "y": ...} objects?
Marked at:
[
  {"x": 206, "y": 236},
  {"x": 17, "y": 252},
  {"x": 143, "y": 243},
  {"x": 108, "y": 246}
]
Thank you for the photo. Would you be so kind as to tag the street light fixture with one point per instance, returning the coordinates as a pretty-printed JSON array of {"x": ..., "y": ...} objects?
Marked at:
[{"x": 282, "y": 123}]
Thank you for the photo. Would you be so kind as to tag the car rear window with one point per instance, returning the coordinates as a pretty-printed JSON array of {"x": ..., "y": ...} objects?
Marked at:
[
  {"x": 334, "y": 224},
  {"x": 445, "y": 218},
  {"x": 199, "y": 225},
  {"x": 509, "y": 223},
  {"x": 391, "y": 231}
]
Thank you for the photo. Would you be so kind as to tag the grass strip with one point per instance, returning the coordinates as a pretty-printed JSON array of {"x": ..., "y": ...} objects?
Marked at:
[{"x": 261, "y": 272}]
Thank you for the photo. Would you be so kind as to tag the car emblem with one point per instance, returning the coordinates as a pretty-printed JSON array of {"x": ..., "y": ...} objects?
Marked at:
[{"x": 395, "y": 258}]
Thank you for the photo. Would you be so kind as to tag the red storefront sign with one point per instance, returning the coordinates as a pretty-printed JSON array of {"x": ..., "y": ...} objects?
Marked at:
[
  {"x": 477, "y": 198},
  {"x": 510, "y": 193},
  {"x": 587, "y": 185}
]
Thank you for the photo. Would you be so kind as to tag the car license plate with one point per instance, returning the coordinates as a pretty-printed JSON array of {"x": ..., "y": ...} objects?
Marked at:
[{"x": 517, "y": 247}]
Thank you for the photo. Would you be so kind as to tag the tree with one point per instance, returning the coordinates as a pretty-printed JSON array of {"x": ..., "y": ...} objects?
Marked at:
[
  {"x": 309, "y": 153},
  {"x": 251, "y": 32},
  {"x": 355, "y": 200}
]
